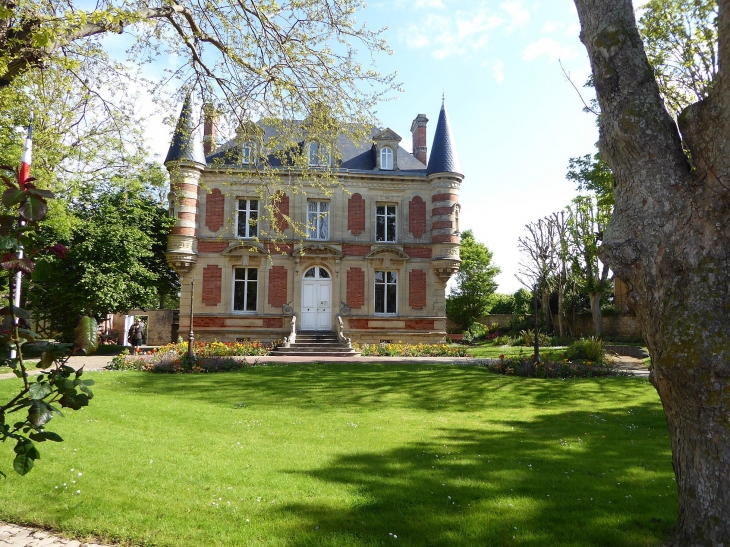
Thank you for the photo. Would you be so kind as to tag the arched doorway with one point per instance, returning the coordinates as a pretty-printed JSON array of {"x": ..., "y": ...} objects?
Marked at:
[{"x": 316, "y": 299}]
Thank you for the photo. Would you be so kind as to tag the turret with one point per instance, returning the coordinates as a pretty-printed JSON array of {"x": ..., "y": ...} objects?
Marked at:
[
  {"x": 185, "y": 161},
  {"x": 444, "y": 173}
]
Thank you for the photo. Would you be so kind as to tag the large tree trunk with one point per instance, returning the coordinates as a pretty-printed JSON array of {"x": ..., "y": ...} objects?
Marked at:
[
  {"x": 561, "y": 310},
  {"x": 669, "y": 241},
  {"x": 595, "y": 298},
  {"x": 546, "y": 314}
]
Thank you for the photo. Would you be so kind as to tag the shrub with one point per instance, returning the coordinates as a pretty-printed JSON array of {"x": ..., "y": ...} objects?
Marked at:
[
  {"x": 411, "y": 350},
  {"x": 527, "y": 339},
  {"x": 526, "y": 367},
  {"x": 503, "y": 340},
  {"x": 209, "y": 357},
  {"x": 589, "y": 349},
  {"x": 477, "y": 331}
]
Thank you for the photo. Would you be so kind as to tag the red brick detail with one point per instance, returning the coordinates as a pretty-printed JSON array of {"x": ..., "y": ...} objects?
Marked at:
[
  {"x": 355, "y": 287},
  {"x": 214, "y": 215},
  {"x": 441, "y": 211},
  {"x": 418, "y": 252},
  {"x": 444, "y": 197},
  {"x": 189, "y": 202},
  {"x": 187, "y": 216},
  {"x": 280, "y": 208},
  {"x": 445, "y": 239},
  {"x": 212, "y": 246},
  {"x": 355, "y": 250},
  {"x": 277, "y": 286},
  {"x": 273, "y": 322},
  {"x": 417, "y": 289},
  {"x": 419, "y": 324},
  {"x": 183, "y": 231},
  {"x": 417, "y": 216},
  {"x": 439, "y": 224},
  {"x": 279, "y": 248},
  {"x": 216, "y": 322},
  {"x": 358, "y": 323},
  {"x": 212, "y": 276},
  {"x": 183, "y": 187},
  {"x": 356, "y": 214}
]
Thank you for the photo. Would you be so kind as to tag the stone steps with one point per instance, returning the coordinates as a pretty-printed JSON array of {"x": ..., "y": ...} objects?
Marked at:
[{"x": 309, "y": 344}]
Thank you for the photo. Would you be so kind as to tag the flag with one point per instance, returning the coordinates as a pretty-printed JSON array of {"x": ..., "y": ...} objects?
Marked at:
[{"x": 24, "y": 173}]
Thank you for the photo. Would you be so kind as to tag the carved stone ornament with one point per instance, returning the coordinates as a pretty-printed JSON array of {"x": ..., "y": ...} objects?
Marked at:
[
  {"x": 181, "y": 263},
  {"x": 444, "y": 269},
  {"x": 393, "y": 253},
  {"x": 242, "y": 249},
  {"x": 318, "y": 250}
]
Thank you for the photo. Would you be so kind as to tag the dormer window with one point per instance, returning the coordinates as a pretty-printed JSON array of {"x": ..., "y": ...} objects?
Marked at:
[
  {"x": 319, "y": 155},
  {"x": 246, "y": 153},
  {"x": 386, "y": 158}
]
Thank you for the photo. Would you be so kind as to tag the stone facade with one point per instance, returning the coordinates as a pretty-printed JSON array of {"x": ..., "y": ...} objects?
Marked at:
[{"x": 389, "y": 244}]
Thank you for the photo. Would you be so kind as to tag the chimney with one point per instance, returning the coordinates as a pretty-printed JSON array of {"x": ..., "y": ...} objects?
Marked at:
[
  {"x": 210, "y": 130},
  {"x": 418, "y": 130}
]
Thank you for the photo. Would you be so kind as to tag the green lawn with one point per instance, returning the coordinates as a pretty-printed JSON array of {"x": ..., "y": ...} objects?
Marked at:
[
  {"x": 346, "y": 455},
  {"x": 487, "y": 349}
]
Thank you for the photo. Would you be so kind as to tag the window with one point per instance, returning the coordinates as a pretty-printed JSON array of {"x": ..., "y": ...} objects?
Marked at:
[
  {"x": 245, "y": 286},
  {"x": 312, "y": 273},
  {"x": 385, "y": 222},
  {"x": 246, "y": 153},
  {"x": 386, "y": 292},
  {"x": 247, "y": 221},
  {"x": 318, "y": 219},
  {"x": 318, "y": 155},
  {"x": 386, "y": 158}
]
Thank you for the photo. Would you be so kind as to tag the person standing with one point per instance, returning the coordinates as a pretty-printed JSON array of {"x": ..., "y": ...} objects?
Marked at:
[{"x": 135, "y": 335}]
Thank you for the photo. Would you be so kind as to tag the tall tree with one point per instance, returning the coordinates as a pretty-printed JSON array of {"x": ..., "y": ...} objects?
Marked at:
[
  {"x": 475, "y": 284},
  {"x": 540, "y": 252},
  {"x": 114, "y": 263},
  {"x": 586, "y": 223},
  {"x": 669, "y": 240},
  {"x": 248, "y": 58}
]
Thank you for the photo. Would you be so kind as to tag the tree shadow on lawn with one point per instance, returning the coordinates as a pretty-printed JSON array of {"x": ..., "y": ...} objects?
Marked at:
[
  {"x": 551, "y": 481},
  {"x": 427, "y": 387}
]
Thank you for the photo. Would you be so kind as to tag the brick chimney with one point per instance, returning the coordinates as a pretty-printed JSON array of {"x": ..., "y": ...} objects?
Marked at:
[
  {"x": 210, "y": 129},
  {"x": 418, "y": 130}
]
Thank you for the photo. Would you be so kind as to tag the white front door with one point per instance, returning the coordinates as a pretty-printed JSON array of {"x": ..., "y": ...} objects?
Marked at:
[{"x": 316, "y": 299}]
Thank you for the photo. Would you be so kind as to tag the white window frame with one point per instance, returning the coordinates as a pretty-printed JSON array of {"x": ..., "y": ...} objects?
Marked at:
[
  {"x": 246, "y": 281},
  {"x": 387, "y": 157},
  {"x": 385, "y": 217},
  {"x": 246, "y": 159},
  {"x": 385, "y": 286},
  {"x": 316, "y": 219},
  {"x": 318, "y": 155},
  {"x": 251, "y": 230}
]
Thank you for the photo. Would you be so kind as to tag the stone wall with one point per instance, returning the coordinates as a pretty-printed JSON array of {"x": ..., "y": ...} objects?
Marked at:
[{"x": 159, "y": 326}]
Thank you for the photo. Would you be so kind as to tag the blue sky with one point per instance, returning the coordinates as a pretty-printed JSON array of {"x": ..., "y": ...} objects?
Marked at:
[{"x": 516, "y": 118}]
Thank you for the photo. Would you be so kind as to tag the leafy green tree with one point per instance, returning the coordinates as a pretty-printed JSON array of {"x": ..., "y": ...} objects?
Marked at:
[
  {"x": 475, "y": 284},
  {"x": 680, "y": 39},
  {"x": 115, "y": 262},
  {"x": 591, "y": 174}
]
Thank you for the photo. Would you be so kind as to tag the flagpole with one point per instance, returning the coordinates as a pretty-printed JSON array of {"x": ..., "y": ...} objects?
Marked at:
[{"x": 23, "y": 175}]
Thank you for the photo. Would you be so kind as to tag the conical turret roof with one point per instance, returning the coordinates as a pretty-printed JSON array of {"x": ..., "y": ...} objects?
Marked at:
[
  {"x": 443, "y": 158},
  {"x": 185, "y": 145}
]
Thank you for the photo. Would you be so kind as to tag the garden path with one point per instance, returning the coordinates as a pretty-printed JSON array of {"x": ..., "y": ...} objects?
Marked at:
[{"x": 13, "y": 535}]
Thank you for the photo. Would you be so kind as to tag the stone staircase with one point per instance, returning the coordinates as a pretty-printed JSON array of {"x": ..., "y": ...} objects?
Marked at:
[{"x": 314, "y": 343}]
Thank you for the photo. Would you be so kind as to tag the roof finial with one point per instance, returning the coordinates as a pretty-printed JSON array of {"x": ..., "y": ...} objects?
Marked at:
[{"x": 443, "y": 98}]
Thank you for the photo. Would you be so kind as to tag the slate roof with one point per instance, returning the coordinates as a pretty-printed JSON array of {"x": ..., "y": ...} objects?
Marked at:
[
  {"x": 354, "y": 157},
  {"x": 186, "y": 144},
  {"x": 443, "y": 158}
]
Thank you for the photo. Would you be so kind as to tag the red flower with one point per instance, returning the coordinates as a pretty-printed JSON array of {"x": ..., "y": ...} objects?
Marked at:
[{"x": 501, "y": 356}]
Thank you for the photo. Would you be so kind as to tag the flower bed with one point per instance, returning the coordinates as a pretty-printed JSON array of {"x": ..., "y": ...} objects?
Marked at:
[
  {"x": 411, "y": 350},
  {"x": 209, "y": 357},
  {"x": 526, "y": 367}
]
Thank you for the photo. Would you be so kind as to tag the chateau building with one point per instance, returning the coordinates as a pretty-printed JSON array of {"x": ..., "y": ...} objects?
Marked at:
[{"x": 377, "y": 248}]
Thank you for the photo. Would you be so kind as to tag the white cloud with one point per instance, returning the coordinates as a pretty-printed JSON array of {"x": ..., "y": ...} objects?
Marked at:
[
  {"x": 550, "y": 26},
  {"x": 550, "y": 48},
  {"x": 451, "y": 34},
  {"x": 573, "y": 30},
  {"x": 428, "y": 4},
  {"x": 520, "y": 16},
  {"x": 498, "y": 70}
]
